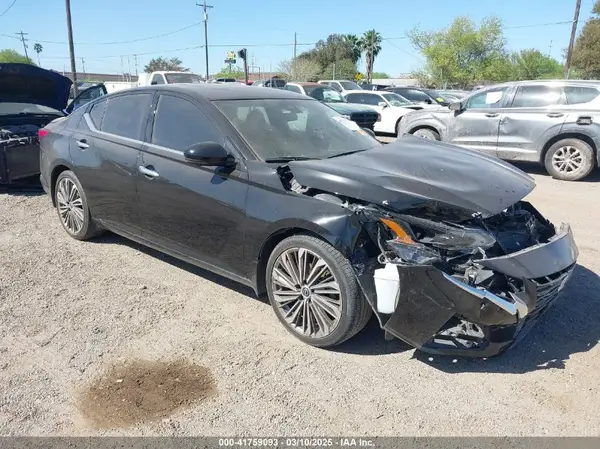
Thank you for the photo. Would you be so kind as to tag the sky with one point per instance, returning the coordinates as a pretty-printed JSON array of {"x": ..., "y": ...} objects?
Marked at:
[{"x": 108, "y": 33}]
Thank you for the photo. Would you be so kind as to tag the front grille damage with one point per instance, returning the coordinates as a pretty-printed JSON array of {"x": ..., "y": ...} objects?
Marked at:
[{"x": 467, "y": 286}]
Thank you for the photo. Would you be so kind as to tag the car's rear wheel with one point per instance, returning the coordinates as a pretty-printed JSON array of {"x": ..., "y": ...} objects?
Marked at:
[
  {"x": 427, "y": 133},
  {"x": 72, "y": 207},
  {"x": 314, "y": 291},
  {"x": 570, "y": 160}
]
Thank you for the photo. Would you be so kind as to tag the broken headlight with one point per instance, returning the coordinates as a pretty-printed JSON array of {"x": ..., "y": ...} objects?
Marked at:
[{"x": 418, "y": 240}]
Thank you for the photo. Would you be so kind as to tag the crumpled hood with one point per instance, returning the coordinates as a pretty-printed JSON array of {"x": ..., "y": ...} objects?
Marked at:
[
  {"x": 26, "y": 83},
  {"x": 413, "y": 171},
  {"x": 349, "y": 108}
]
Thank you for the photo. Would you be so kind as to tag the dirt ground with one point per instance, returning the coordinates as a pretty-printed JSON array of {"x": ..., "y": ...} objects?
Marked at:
[{"x": 110, "y": 338}]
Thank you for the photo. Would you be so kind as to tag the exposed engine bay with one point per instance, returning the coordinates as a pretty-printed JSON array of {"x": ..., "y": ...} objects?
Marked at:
[{"x": 448, "y": 280}]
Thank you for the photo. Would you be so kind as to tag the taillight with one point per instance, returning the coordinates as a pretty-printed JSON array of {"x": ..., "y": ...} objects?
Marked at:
[{"x": 42, "y": 132}]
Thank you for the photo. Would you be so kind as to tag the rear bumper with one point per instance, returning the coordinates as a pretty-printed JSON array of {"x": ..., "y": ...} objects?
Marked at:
[{"x": 441, "y": 314}]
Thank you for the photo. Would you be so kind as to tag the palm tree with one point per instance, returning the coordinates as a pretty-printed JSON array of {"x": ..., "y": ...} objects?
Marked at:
[
  {"x": 371, "y": 46},
  {"x": 356, "y": 46},
  {"x": 38, "y": 49}
]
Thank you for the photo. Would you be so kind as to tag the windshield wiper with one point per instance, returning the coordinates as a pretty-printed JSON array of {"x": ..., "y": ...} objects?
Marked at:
[
  {"x": 290, "y": 158},
  {"x": 346, "y": 153}
]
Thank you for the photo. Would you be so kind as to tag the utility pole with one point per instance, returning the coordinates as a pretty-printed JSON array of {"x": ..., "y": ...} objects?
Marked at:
[
  {"x": 83, "y": 66},
  {"x": 136, "y": 65},
  {"x": 71, "y": 47},
  {"x": 24, "y": 42},
  {"x": 294, "y": 60},
  {"x": 572, "y": 41},
  {"x": 205, "y": 7}
]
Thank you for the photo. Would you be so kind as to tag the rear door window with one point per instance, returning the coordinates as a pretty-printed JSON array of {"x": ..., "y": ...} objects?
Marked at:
[
  {"x": 537, "y": 97},
  {"x": 580, "y": 95},
  {"x": 125, "y": 115}
]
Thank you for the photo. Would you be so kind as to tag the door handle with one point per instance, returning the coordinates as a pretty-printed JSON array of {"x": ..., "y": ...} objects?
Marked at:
[
  {"x": 148, "y": 172},
  {"x": 82, "y": 144},
  {"x": 492, "y": 114},
  {"x": 555, "y": 114}
]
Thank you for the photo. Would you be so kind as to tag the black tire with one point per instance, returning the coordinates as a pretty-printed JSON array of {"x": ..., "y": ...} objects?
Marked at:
[
  {"x": 89, "y": 228},
  {"x": 355, "y": 310},
  {"x": 427, "y": 133},
  {"x": 398, "y": 127},
  {"x": 587, "y": 159}
]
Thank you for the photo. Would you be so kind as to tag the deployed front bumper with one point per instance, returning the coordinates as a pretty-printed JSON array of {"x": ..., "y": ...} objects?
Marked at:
[{"x": 441, "y": 314}]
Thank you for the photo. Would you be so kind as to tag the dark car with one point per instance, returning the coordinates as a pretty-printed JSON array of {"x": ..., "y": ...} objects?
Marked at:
[
  {"x": 363, "y": 116},
  {"x": 279, "y": 192},
  {"x": 368, "y": 86},
  {"x": 30, "y": 98},
  {"x": 414, "y": 94}
]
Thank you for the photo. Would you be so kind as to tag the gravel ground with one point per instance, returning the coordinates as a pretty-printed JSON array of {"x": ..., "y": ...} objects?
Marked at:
[{"x": 89, "y": 326}]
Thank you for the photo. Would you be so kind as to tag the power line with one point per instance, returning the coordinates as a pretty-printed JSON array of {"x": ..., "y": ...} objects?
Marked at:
[{"x": 9, "y": 7}]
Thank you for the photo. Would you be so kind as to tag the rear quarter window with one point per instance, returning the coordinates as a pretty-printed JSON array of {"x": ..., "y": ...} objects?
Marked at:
[
  {"x": 97, "y": 112},
  {"x": 580, "y": 95}
]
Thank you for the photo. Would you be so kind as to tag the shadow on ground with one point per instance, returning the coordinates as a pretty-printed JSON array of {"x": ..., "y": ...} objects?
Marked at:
[
  {"x": 26, "y": 187},
  {"x": 536, "y": 169},
  {"x": 570, "y": 327}
]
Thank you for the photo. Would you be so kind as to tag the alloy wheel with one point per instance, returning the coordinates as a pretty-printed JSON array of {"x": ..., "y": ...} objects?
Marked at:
[
  {"x": 567, "y": 159},
  {"x": 306, "y": 292},
  {"x": 70, "y": 205}
]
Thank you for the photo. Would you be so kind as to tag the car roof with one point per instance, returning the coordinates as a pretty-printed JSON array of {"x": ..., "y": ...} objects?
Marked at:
[
  {"x": 307, "y": 84},
  {"x": 228, "y": 91},
  {"x": 557, "y": 82}
]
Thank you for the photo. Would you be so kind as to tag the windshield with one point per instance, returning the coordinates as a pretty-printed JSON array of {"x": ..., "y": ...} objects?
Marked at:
[
  {"x": 324, "y": 93},
  {"x": 349, "y": 85},
  {"x": 26, "y": 108},
  {"x": 437, "y": 96},
  {"x": 396, "y": 100},
  {"x": 294, "y": 128},
  {"x": 176, "y": 78},
  {"x": 415, "y": 95}
]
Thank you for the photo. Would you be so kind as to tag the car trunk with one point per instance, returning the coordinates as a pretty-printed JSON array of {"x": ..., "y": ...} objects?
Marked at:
[{"x": 19, "y": 146}]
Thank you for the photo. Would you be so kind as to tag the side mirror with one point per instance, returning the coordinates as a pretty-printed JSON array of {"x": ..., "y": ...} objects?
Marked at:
[
  {"x": 383, "y": 104},
  {"x": 209, "y": 154},
  {"x": 456, "y": 106}
]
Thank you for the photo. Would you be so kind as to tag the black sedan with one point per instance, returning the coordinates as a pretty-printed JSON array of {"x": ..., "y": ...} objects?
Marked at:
[{"x": 280, "y": 192}]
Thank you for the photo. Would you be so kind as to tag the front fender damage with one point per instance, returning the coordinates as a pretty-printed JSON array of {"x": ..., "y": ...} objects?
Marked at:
[{"x": 472, "y": 301}]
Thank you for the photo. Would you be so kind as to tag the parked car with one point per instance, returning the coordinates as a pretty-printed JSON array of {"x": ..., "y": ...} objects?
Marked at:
[
  {"x": 276, "y": 83},
  {"x": 341, "y": 86},
  {"x": 279, "y": 192},
  {"x": 363, "y": 116},
  {"x": 414, "y": 94},
  {"x": 368, "y": 86},
  {"x": 555, "y": 123},
  {"x": 30, "y": 98},
  {"x": 455, "y": 93},
  {"x": 392, "y": 107}
]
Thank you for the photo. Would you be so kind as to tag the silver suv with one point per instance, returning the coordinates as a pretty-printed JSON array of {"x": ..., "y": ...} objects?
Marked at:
[{"x": 556, "y": 123}]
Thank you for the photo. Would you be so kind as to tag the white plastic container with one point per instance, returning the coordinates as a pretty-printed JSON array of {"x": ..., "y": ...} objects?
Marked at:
[{"x": 387, "y": 287}]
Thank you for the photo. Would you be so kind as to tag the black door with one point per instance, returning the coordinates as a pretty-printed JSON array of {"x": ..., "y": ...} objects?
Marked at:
[
  {"x": 105, "y": 150},
  {"x": 195, "y": 211}
]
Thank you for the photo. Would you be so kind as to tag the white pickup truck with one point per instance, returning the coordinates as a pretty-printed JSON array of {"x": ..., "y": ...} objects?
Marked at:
[{"x": 167, "y": 77}]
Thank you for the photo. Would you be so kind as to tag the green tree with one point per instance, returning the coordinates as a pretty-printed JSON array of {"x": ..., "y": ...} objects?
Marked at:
[
  {"x": 463, "y": 53},
  {"x": 380, "y": 76},
  {"x": 356, "y": 46},
  {"x": 335, "y": 48},
  {"x": 371, "y": 43},
  {"x": 38, "y": 49},
  {"x": 9, "y": 55},
  {"x": 233, "y": 72},
  {"x": 532, "y": 64},
  {"x": 344, "y": 69},
  {"x": 300, "y": 70},
  {"x": 164, "y": 64},
  {"x": 586, "y": 50}
]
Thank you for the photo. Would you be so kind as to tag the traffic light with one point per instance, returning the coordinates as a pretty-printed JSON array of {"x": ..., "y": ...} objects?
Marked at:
[{"x": 242, "y": 54}]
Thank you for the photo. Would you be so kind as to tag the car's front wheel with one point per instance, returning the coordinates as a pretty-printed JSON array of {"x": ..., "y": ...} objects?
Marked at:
[
  {"x": 570, "y": 160},
  {"x": 72, "y": 207},
  {"x": 314, "y": 292},
  {"x": 427, "y": 133}
]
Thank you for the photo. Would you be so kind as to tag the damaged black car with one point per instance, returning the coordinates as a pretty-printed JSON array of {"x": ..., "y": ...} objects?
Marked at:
[{"x": 283, "y": 194}]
